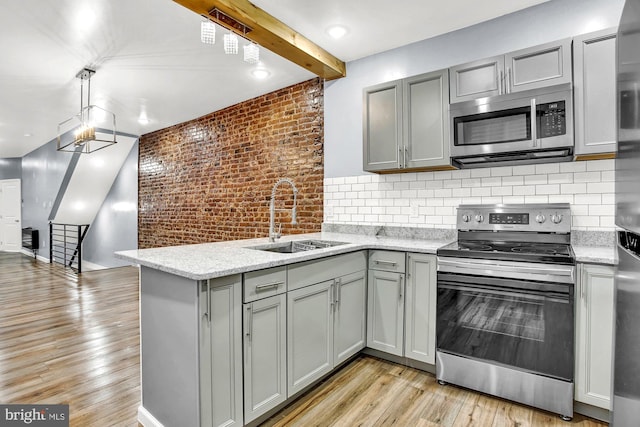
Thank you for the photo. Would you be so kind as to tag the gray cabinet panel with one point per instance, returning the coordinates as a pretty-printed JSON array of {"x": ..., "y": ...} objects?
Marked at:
[
  {"x": 385, "y": 314},
  {"x": 311, "y": 272},
  {"x": 420, "y": 308},
  {"x": 309, "y": 335},
  {"x": 539, "y": 66},
  {"x": 350, "y": 315},
  {"x": 595, "y": 92},
  {"x": 221, "y": 352},
  {"x": 382, "y": 126},
  {"x": 265, "y": 355},
  {"x": 477, "y": 79},
  {"x": 425, "y": 128}
]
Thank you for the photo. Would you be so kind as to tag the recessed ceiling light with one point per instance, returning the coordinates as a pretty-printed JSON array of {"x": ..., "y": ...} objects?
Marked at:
[
  {"x": 260, "y": 73},
  {"x": 143, "y": 119},
  {"x": 28, "y": 134},
  {"x": 337, "y": 31}
]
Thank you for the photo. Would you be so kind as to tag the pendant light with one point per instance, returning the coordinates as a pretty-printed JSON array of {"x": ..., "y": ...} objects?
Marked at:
[{"x": 92, "y": 129}]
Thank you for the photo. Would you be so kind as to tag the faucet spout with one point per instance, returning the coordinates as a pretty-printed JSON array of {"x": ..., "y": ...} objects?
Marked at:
[{"x": 273, "y": 235}]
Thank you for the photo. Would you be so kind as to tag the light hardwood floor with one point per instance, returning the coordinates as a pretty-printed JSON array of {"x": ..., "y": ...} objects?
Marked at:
[{"x": 75, "y": 339}]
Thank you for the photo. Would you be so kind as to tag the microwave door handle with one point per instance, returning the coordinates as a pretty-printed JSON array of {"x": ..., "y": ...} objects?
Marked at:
[{"x": 534, "y": 130}]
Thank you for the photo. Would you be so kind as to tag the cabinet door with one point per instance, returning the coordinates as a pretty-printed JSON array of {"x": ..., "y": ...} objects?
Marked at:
[
  {"x": 594, "y": 330},
  {"x": 595, "y": 92},
  {"x": 477, "y": 79},
  {"x": 385, "y": 314},
  {"x": 382, "y": 127},
  {"x": 221, "y": 353},
  {"x": 349, "y": 326},
  {"x": 425, "y": 120},
  {"x": 538, "y": 66},
  {"x": 309, "y": 335},
  {"x": 265, "y": 355},
  {"x": 420, "y": 310}
]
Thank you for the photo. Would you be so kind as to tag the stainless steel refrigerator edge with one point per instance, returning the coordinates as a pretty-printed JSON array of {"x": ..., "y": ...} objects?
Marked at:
[{"x": 626, "y": 369}]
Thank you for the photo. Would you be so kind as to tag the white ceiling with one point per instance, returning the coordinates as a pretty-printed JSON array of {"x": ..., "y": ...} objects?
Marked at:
[{"x": 149, "y": 57}]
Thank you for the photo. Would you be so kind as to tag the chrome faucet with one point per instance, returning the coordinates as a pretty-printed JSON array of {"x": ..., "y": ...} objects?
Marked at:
[{"x": 273, "y": 235}]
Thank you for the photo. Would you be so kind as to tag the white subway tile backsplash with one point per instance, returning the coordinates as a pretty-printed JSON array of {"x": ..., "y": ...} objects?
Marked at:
[
  {"x": 430, "y": 199},
  {"x": 535, "y": 179},
  {"x": 480, "y": 173},
  {"x": 547, "y": 168},
  {"x": 601, "y": 165}
]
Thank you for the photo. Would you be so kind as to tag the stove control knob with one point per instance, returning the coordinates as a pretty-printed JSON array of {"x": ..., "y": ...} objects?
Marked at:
[
  {"x": 556, "y": 218},
  {"x": 466, "y": 218},
  {"x": 479, "y": 218},
  {"x": 540, "y": 218}
]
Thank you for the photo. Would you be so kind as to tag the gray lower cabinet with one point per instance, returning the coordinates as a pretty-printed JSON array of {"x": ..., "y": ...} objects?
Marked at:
[
  {"x": 310, "y": 334},
  {"x": 594, "y": 325},
  {"x": 530, "y": 68},
  {"x": 350, "y": 322},
  {"x": 220, "y": 311},
  {"x": 594, "y": 57},
  {"x": 401, "y": 314},
  {"x": 265, "y": 355},
  {"x": 385, "y": 316},
  {"x": 326, "y": 320},
  {"x": 405, "y": 124},
  {"x": 420, "y": 308}
]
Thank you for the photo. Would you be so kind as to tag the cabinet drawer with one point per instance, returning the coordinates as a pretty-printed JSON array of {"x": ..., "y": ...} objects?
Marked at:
[
  {"x": 311, "y": 272},
  {"x": 386, "y": 261},
  {"x": 264, "y": 283}
]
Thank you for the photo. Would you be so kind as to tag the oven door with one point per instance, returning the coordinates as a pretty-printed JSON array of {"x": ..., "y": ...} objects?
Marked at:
[{"x": 516, "y": 322}]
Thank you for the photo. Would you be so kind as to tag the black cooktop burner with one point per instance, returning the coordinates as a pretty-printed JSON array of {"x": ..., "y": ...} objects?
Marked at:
[{"x": 514, "y": 251}]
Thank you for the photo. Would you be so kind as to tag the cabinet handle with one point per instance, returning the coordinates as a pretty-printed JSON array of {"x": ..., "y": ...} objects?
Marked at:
[
  {"x": 206, "y": 315},
  {"x": 508, "y": 85},
  {"x": 534, "y": 127},
  {"x": 381, "y": 261},
  {"x": 400, "y": 285},
  {"x": 400, "y": 157},
  {"x": 333, "y": 295},
  {"x": 266, "y": 286},
  {"x": 406, "y": 155},
  {"x": 249, "y": 322},
  {"x": 338, "y": 290},
  {"x": 501, "y": 83}
]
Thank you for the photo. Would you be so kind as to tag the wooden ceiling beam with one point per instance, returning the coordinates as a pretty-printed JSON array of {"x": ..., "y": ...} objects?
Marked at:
[{"x": 271, "y": 33}]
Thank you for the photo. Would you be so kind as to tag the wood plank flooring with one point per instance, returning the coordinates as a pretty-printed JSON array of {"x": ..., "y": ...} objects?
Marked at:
[
  {"x": 75, "y": 340},
  {"x": 70, "y": 339},
  {"x": 372, "y": 392}
]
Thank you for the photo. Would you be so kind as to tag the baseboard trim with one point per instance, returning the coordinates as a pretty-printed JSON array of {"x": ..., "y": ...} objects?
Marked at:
[
  {"x": 146, "y": 419},
  {"x": 89, "y": 266},
  {"x": 29, "y": 253}
]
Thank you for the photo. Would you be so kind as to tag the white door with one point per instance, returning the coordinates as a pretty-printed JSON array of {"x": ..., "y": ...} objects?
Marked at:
[{"x": 10, "y": 215}]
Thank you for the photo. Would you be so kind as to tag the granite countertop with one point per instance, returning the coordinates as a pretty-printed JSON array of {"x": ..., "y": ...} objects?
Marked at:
[
  {"x": 595, "y": 254},
  {"x": 210, "y": 260}
]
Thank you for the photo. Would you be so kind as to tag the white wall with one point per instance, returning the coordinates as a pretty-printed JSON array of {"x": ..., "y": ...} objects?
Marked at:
[{"x": 547, "y": 22}]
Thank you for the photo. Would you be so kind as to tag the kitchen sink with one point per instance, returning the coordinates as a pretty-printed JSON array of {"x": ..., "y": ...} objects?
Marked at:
[{"x": 296, "y": 246}]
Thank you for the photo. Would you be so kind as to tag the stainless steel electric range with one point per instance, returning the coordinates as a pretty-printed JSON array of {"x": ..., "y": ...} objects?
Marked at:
[{"x": 505, "y": 305}]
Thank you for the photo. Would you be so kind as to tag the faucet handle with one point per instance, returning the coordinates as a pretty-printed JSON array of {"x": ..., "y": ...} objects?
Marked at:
[{"x": 278, "y": 233}]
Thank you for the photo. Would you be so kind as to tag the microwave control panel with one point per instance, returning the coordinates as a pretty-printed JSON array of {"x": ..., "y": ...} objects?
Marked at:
[{"x": 551, "y": 119}]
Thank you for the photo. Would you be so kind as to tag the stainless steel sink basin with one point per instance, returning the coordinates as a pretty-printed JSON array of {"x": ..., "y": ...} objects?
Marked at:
[{"x": 296, "y": 246}]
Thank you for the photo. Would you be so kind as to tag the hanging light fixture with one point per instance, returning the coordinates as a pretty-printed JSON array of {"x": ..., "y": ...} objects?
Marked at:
[
  {"x": 207, "y": 32},
  {"x": 251, "y": 53},
  {"x": 230, "y": 44},
  {"x": 92, "y": 129}
]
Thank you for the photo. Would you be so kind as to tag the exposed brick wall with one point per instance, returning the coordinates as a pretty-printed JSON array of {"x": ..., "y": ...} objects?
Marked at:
[{"x": 210, "y": 179}]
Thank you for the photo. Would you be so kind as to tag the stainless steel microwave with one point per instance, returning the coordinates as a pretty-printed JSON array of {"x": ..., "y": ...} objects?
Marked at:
[{"x": 534, "y": 126}]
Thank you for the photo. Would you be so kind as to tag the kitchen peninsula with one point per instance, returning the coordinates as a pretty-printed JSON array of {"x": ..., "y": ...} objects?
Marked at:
[{"x": 194, "y": 325}]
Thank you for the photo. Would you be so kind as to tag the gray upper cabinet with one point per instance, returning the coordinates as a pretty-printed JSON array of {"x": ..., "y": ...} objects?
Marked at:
[
  {"x": 424, "y": 122},
  {"x": 594, "y": 56},
  {"x": 477, "y": 79},
  {"x": 531, "y": 68},
  {"x": 405, "y": 124},
  {"x": 383, "y": 126}
]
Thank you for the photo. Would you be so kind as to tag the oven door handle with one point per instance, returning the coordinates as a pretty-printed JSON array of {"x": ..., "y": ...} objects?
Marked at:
[{"x": 470, "y": 266}]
